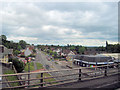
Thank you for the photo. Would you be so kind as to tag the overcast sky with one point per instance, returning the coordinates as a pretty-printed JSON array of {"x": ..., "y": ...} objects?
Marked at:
[{"x": 61, "y": 23}]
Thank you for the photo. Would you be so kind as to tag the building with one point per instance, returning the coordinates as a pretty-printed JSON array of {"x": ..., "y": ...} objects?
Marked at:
[
  {"x": 5, "y": 54},
  {"x": 92, "y": 60},
  {"x": 58, "y": 50},
  {"x": 70, "y": 55},
  {"x": 28, "y": 51}
]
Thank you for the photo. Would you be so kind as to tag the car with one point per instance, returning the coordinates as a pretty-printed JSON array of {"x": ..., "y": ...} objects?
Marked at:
[
  {"x": 33, "y": 58},
  {"x": 48, "y": 59}
]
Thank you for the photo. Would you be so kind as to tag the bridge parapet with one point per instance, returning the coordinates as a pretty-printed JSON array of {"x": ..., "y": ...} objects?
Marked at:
[{"x": 93, "y": 72}]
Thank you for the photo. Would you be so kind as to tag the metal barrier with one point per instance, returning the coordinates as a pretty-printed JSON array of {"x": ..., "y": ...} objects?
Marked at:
[{"x": 77, "y": 76}]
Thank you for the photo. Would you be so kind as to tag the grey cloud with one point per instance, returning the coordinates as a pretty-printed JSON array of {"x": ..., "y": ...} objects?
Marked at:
[{"x": 22, "y": 19}]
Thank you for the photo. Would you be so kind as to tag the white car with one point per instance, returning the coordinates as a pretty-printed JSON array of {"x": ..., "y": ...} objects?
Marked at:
[{"x": 33, "y": 58}]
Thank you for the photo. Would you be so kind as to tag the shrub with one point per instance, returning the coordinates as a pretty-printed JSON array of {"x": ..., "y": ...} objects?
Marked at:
[
  {"x": 19, "y": 65},
  {"x": 23, "y": 56}
]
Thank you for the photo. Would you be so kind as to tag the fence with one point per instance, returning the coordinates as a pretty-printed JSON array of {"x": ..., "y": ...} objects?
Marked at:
[{"x": 106, "y": 70}]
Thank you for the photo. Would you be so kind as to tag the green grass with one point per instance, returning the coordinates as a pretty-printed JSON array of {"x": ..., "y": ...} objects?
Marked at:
[
  {"x": 44, "y": 52},
  {"x": 56, "y": 63},
  {"x": 39, "y": 66},
  {"x": 31, "y": 67},
  {"x": 11, "y": 78}
]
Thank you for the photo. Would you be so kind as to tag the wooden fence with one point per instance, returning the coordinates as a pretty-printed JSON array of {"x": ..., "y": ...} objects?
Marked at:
[{"x": 80, "y": 76}]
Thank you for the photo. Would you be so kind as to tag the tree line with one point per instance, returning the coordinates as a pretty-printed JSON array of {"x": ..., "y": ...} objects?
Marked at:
[
  {"x": 112, "y": 48},
  {"x": 13, "y": 45}
]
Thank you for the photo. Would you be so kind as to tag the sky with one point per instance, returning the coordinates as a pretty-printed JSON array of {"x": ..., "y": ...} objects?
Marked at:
[{"x": 61, "y": 23}]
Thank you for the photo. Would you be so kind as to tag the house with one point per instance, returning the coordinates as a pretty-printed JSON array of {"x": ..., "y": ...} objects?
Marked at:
[
  {"x": 52, "y": 48},
  {"x": 31, "y": 47},
  {"x": 5, "y": 54},
  {"x": 70, "y": 55},
  {"x": 28, "y": 51},
  {"x": 58, "y": 50},
  {"x": 64, "y": 52}
]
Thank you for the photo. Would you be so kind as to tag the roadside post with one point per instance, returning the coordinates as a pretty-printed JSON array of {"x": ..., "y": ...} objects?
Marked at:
[
  {"x": 29, "y": 59},
  {"x": 41, "y": 80},
  {"x": 79, "y": 75}
]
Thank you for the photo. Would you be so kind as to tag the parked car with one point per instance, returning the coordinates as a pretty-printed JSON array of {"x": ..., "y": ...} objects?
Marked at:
[
  {"x": 48, "y": 59},
  {"x": 33, "y": 58}
]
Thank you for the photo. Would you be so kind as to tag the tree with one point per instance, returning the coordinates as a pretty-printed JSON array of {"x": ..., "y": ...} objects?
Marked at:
[
  {"x": 19, "y": 47},
  {"x": 72, "y": 47},
  {"x": 34, "y": 51},
  {"x": 3, "y": 37},
  {"x": 81, "y": 50},
  {"x": 16, "y": 52},
  {"x": 55, "y": 54},
  {"x": 22, "y": 43}
]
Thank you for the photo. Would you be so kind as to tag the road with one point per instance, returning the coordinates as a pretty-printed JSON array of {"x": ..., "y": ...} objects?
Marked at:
[{"x": 50, "y": 65}]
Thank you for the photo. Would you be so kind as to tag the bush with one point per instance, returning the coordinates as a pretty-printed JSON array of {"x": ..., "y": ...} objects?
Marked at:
[
  {"x": 23, "y": 56},
  {"x": 31, "y": 55},
  {"x": 16, "y": 52},
  {"x": 10, "y": 60},
  {"x": 34, "y": 50},
  {"x": 19, "y": 65}
]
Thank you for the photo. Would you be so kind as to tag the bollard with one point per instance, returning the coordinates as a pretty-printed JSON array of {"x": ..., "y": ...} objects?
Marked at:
[
  {"x": 41, "y": 80},
  {"x": 79, "y": 75}
]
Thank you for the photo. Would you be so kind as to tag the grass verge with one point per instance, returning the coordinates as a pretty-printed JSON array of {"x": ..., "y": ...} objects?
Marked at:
[
  {"x": 31, "y": 67},
  {"x": 56, "y": 62},
  {"x": 39, "y": 66}
]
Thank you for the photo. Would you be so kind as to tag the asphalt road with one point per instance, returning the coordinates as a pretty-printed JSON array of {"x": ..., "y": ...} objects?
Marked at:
[{"x": 50, "y": 65}]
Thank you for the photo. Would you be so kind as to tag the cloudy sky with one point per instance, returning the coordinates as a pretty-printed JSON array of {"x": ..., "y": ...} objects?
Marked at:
[{"x": 61, "y": 23}]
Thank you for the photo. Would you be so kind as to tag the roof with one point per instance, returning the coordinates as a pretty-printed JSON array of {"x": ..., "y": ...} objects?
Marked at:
[
  {"x": 66, "y": 51},
  {"x": 5, "y": 50},
  {"x": 10, "y": 51},
  {"x": 93, "y": 58}
]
